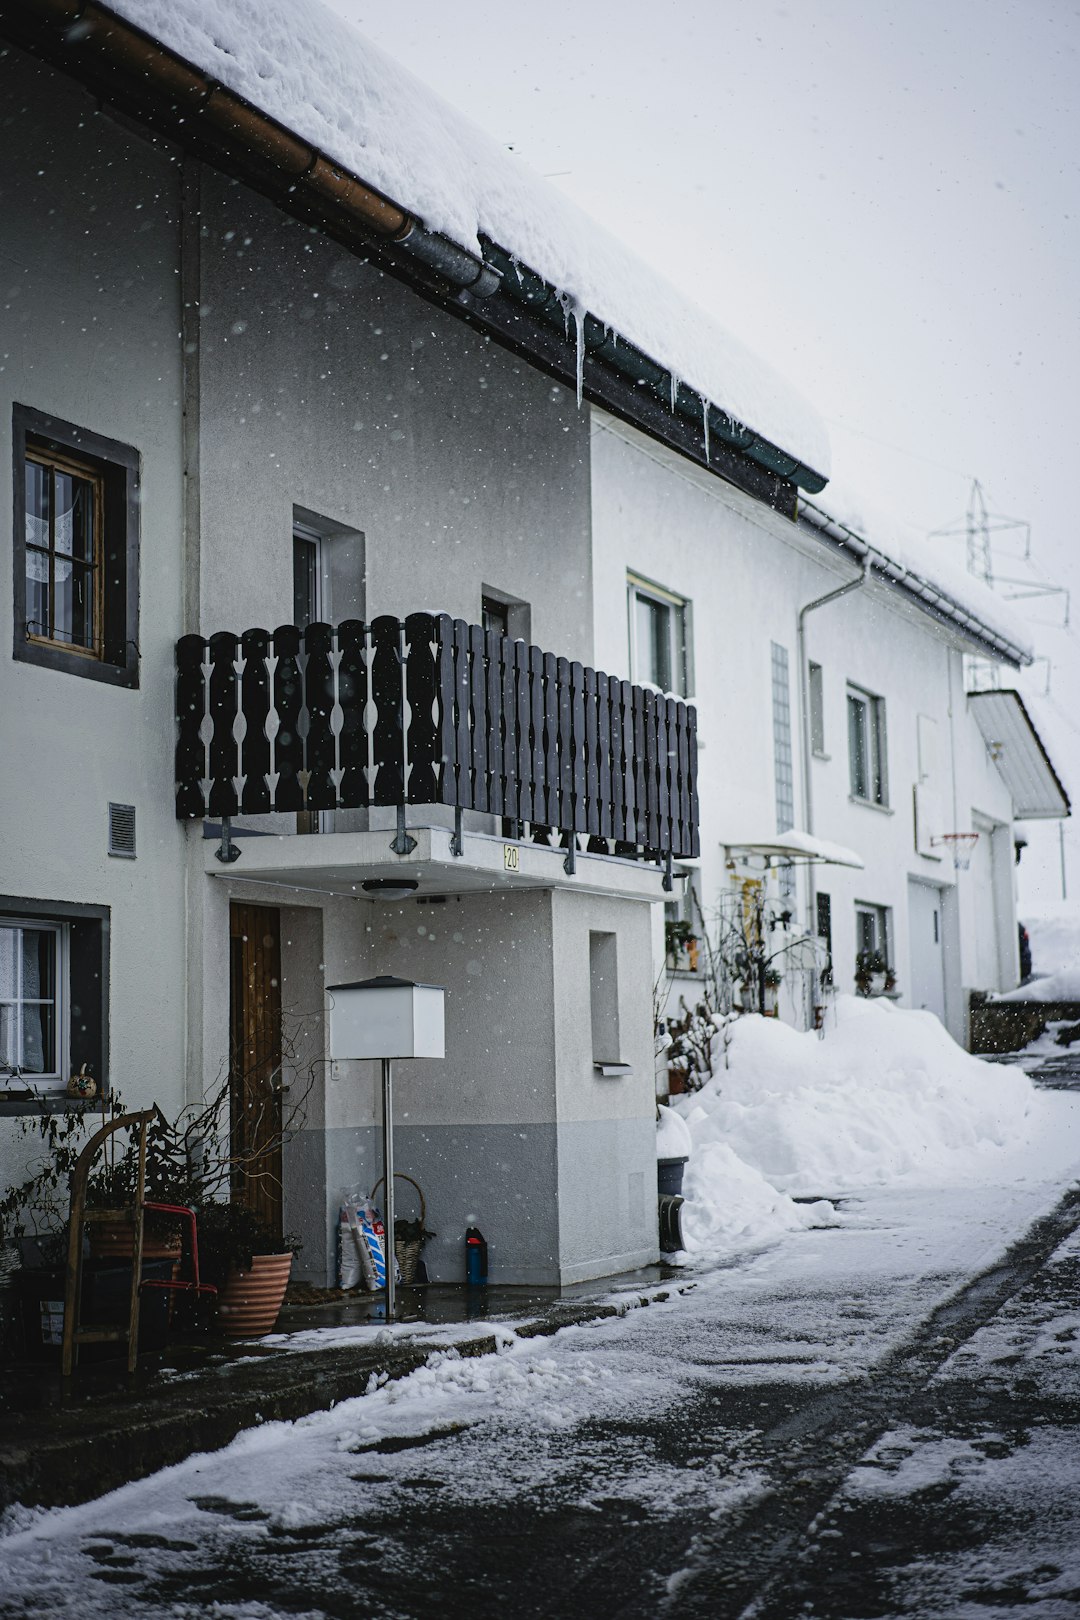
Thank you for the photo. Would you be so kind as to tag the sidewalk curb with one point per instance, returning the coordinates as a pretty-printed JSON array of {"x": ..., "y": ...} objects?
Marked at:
[{"x": 64, "y": 1454}]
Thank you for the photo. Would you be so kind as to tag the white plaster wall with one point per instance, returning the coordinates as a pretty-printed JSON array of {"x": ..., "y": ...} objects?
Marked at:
[
  {"x": 89, "y": 323},
  {"x": 747, "y": 572}
]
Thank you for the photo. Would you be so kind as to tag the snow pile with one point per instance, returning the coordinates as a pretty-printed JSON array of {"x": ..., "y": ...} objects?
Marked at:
[
  {"x": 883, "y": 1096},
  {"x": 673, "y": 1139},
  {"x": 1064, "y": 985},
  {"x": 1054, "y": 932},
  {"x": 730, "y": 1204},
  {"x": 312, "y": 72}
]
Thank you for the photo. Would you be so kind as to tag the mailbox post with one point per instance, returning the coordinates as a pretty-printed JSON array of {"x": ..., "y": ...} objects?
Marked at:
[{"x": 387, "y": 1018}]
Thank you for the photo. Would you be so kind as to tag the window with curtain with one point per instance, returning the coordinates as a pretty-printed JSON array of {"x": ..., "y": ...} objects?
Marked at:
[{"x": 30, "y": 989}]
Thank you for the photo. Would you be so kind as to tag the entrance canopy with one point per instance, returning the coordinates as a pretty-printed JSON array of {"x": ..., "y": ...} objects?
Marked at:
[{"x": 805, "y": 848}]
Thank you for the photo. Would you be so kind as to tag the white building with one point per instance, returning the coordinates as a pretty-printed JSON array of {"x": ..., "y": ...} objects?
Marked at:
[
  {"x": 878, "y": 748},
  {"x": 258, "y": 376}
]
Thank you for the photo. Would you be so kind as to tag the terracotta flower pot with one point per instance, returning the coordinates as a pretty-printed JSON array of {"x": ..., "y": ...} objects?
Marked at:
[{"x": 249, "y": 1303}]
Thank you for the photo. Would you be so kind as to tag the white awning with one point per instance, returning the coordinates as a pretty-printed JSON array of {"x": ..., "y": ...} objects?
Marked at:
[
  {"x": 1018, "y": 752},
  {"x": 797, "y": 846}
]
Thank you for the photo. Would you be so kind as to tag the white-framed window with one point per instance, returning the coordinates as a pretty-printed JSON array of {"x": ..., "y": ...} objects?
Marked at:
[
  {"x": 873, "y": 935},
  {"x": 866, "y": 747},
  {"x": 33, "y": 1002},
  {"x": 817, "y": 710},
  {"x": 682, "y": 932},
  {"x": 307, "y": 576},
  {"x": 659, "y": 637}
]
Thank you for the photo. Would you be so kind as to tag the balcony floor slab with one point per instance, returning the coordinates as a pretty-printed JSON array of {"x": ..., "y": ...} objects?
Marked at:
[{"x": 339, "y": 863}]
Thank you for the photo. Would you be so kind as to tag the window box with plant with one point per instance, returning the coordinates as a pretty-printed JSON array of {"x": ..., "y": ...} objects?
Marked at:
[
  {"x": 681, "y": 946},
  {"x": 873, "y": 975}
]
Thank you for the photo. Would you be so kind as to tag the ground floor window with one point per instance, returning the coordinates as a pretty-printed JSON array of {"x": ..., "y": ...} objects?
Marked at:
[
  {"x": 54, "y": 997},
  {"x": 32, "y": 974},
  {"x": 873, "y": 948}
]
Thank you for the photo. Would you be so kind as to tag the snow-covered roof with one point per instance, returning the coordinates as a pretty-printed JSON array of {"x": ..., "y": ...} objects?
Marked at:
[
  {"x": 312, "y": 72},
  {"x": 922, "y": 571},
  {"x": 1020, "y": 755}
]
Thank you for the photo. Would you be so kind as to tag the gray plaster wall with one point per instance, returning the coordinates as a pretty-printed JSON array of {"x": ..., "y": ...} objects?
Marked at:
[
  {"x": 89, "y": 255},
  {"x": 327, "y": 386},
  {"x": 511, "y": 1131}
]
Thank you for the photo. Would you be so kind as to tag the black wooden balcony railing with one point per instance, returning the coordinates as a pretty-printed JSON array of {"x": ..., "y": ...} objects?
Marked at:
[{"x": 432, "y": 711}]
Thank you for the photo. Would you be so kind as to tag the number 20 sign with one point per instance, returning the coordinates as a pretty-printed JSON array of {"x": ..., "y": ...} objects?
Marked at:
[{"x": 510, "y": 857}]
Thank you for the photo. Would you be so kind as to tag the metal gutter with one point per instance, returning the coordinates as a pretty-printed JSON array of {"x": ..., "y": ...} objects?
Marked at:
[
  {"x": 131, "y": 69},
  {"x": 931, "y": 598}
]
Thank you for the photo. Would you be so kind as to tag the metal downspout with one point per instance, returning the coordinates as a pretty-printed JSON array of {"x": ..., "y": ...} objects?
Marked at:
[{"x": 804, "y": 706}]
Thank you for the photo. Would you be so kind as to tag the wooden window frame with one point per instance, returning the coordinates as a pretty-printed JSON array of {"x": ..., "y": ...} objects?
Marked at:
[
  {"x": 56, "y": 461},
  {"x": 45, "y": 440}
]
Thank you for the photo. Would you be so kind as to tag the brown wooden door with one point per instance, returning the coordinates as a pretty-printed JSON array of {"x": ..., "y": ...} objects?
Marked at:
[{"x": 255, "y": 1059}]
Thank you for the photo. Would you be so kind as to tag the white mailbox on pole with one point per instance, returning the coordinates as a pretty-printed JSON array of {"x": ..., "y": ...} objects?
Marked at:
[{"x": 387, "y": 1018}]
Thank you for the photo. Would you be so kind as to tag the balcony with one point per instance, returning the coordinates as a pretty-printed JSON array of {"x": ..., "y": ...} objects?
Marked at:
[{"x": 434, "y": 711}]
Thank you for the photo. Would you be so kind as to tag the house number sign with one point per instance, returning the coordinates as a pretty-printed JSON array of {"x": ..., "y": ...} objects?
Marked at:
[{"x": 510, "y": 857}]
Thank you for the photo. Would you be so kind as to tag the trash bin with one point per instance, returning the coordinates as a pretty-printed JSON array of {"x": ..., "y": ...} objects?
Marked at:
[{"x": 669, "y": 1176}]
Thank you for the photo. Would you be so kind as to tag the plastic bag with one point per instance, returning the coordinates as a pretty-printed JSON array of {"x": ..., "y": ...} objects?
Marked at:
[{"x": 361, "y": 1244}]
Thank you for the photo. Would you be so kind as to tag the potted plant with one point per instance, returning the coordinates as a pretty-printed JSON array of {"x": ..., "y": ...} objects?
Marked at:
[
  {"x": 871, "y": 973},
  {"x": 681, "y": 946},
  {"x": 190, "y": 1164},
  {"x": 250, "y": 1268}
]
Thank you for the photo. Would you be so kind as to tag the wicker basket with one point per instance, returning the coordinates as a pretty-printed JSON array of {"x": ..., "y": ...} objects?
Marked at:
[{"x": 409, "y": 1236}]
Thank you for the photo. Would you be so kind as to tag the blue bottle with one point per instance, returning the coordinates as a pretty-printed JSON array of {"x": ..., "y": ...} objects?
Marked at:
[{"x": 476, "y": 1258}]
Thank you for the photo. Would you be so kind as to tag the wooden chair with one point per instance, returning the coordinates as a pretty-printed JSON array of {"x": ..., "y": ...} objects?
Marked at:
[{"x": 79, "y": 1217}]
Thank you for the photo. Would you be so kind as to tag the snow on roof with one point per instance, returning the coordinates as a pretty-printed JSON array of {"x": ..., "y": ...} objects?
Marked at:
[
  {"x": 930, "y": 561},
  {"x": 1020, "y": 755},
  {"x": 307, "y": 68}
]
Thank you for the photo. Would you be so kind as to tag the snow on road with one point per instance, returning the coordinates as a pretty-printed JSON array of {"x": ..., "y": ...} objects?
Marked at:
[{"x": 561, "y": 1422}]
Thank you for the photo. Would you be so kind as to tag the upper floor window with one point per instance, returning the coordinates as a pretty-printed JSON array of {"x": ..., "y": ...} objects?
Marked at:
[
  {"x": 817, "y": 709},
  {"x": 866, "y": 747},
  {"x": 75, "y": 550},
  {"x": 307, "y": 577},
  {"x": 505, "y": 615},
  {"x": 64, "y": 503},
  {"x": 495, "y": 616},
  {"x": 659, "y": 637}
]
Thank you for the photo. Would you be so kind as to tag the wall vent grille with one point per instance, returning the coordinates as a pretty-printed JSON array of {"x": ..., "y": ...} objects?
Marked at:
[{"x": 122, "y": 830}]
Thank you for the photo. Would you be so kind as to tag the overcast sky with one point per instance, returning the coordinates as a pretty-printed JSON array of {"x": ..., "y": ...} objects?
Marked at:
[{"x": 880, "y": 198}]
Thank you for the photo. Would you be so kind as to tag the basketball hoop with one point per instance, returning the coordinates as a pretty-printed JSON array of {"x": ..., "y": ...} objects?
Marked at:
[{"x": 960, "y": 845}]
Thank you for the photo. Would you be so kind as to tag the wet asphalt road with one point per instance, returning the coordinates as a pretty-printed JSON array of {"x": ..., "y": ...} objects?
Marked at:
[{"x": 941, "y": 1482}]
